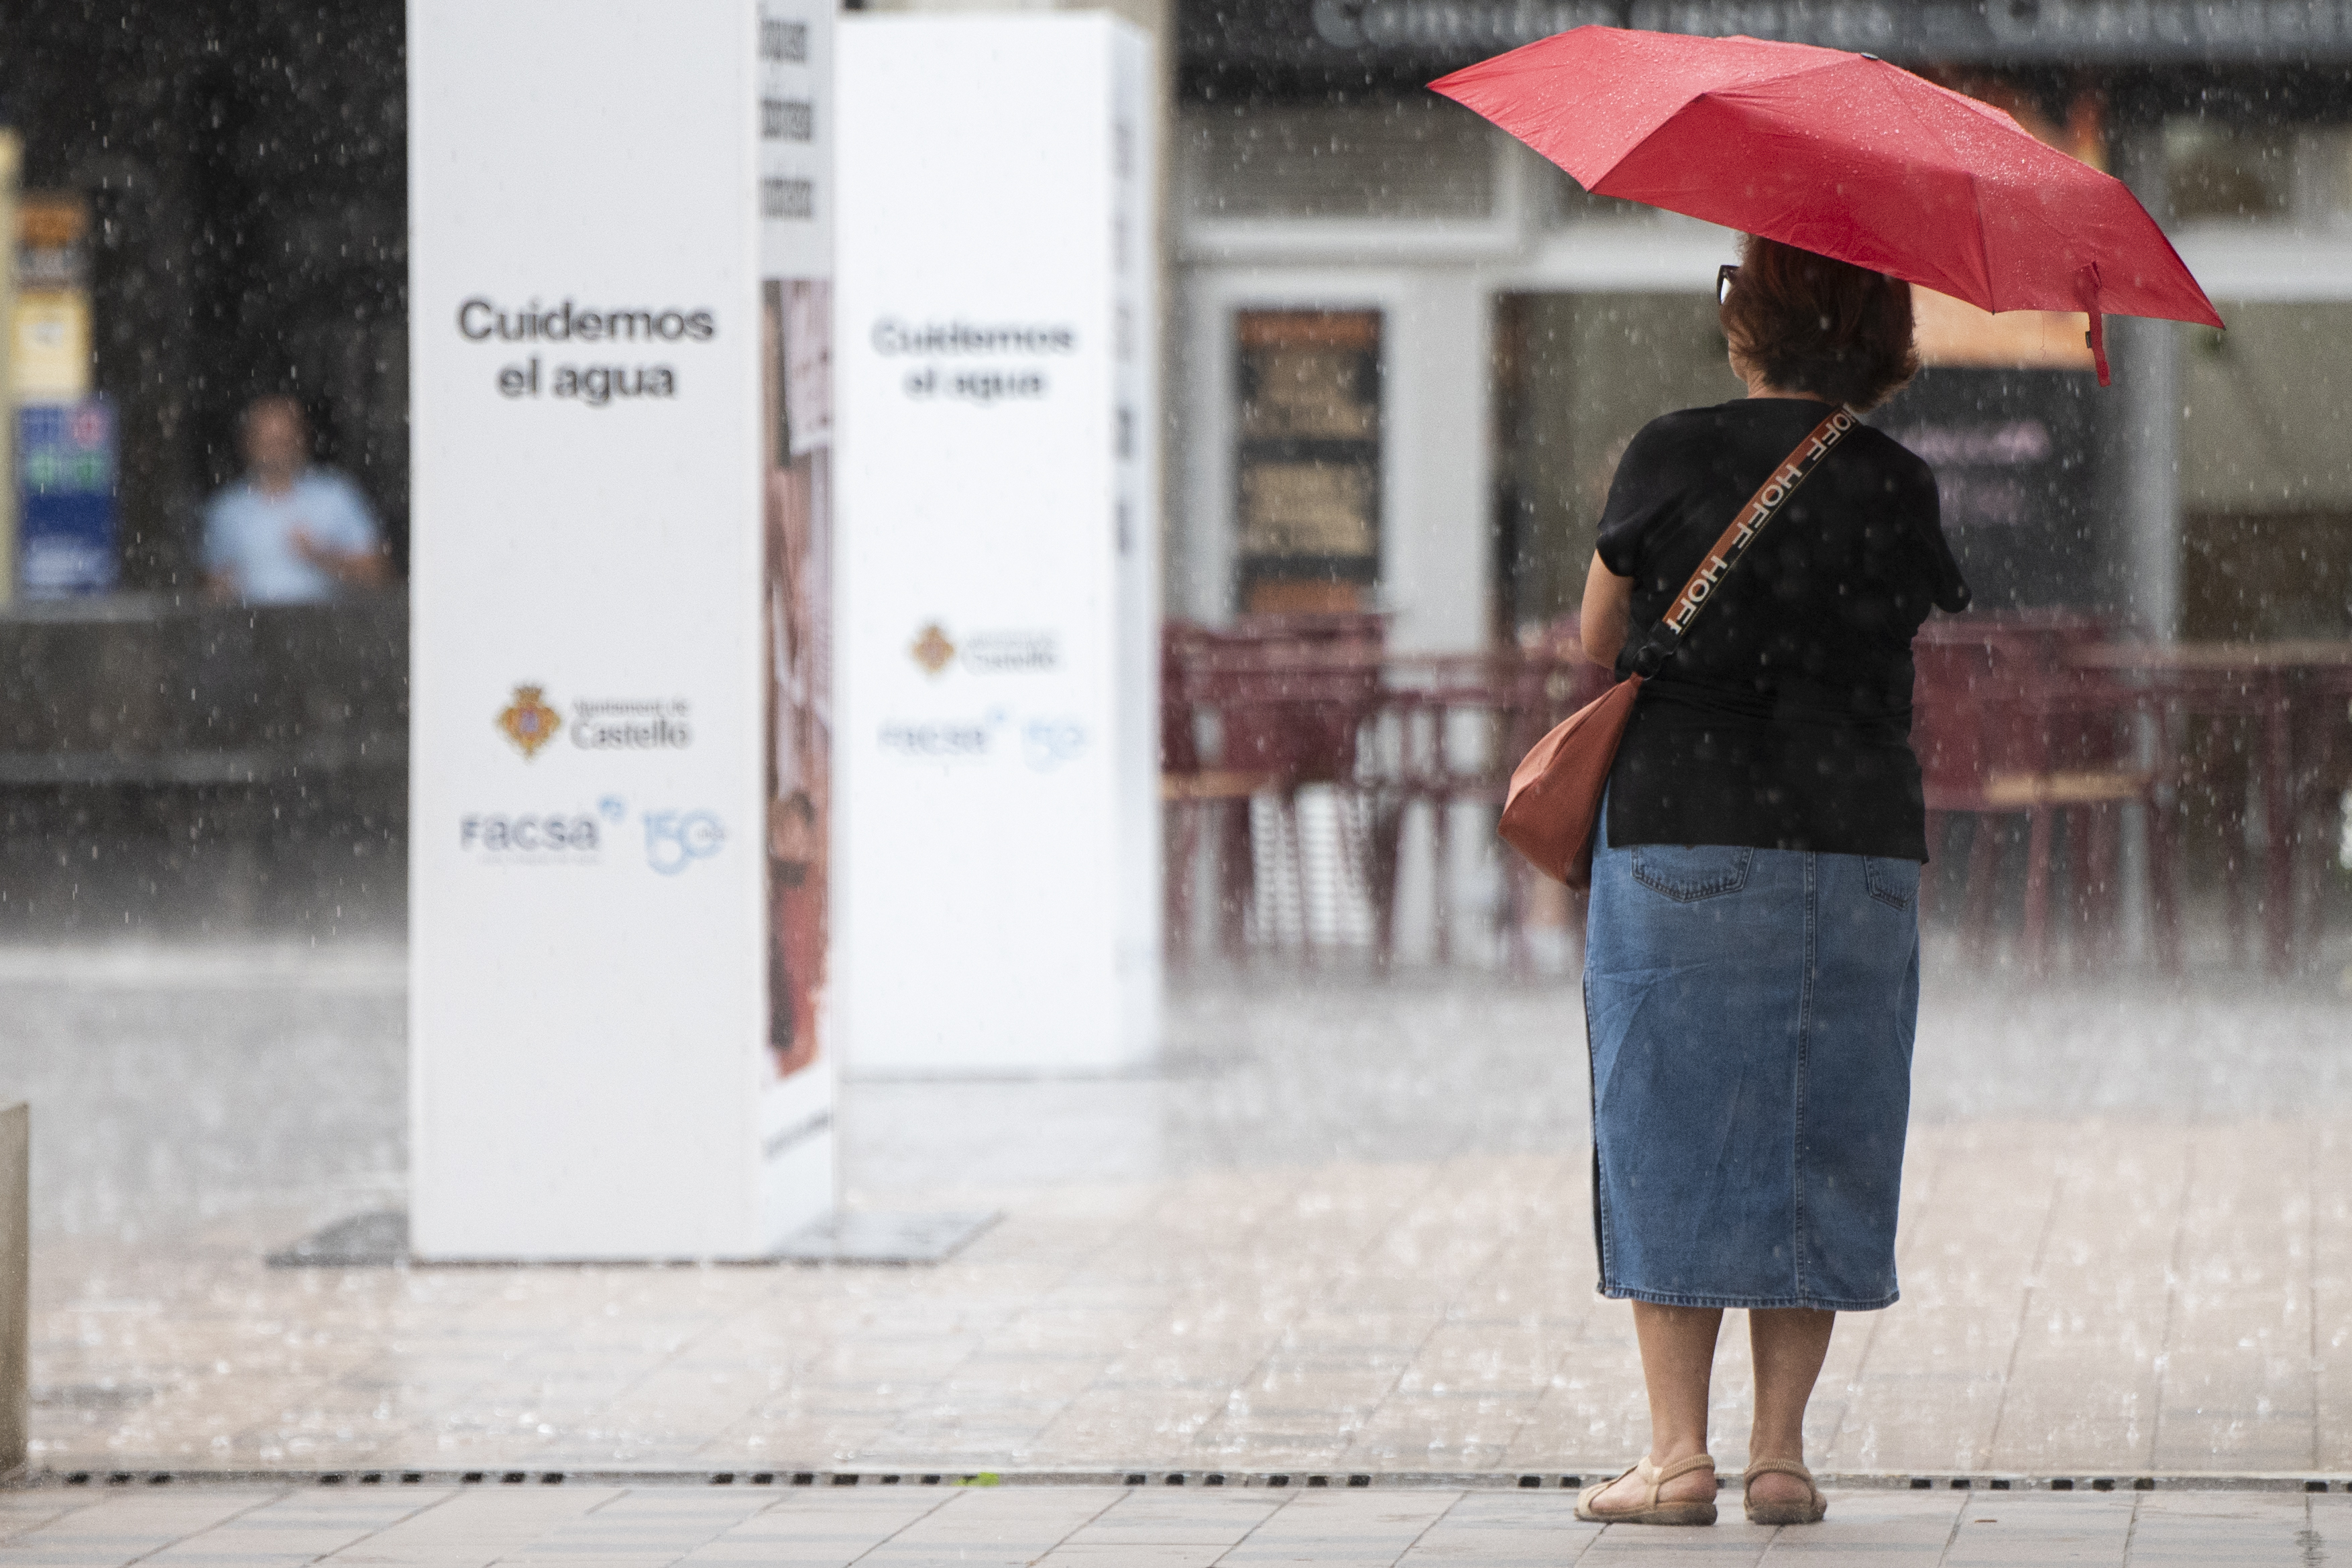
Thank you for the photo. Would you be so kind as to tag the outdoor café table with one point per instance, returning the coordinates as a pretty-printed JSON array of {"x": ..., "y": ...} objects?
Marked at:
[{"x": 2273, "y": 681}]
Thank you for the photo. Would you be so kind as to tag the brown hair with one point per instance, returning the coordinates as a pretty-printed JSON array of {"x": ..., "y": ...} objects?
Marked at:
[{"x": 1814, "y": 324}]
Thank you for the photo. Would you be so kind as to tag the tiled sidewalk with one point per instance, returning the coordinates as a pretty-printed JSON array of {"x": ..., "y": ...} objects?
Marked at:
[
  {"x": 1347, "y": 1230},
  {"x": 2076, "y": 1303},
  {"x": 1089, "y": 1527}
]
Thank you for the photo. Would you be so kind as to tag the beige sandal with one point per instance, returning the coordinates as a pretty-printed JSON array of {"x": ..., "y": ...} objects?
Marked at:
[
  {"x": 1810, "y": 1512},
  {"x": 1698, "y": 1511}
]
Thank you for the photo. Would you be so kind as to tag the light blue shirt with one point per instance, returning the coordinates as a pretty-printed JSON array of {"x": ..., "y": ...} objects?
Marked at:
[{"x": 249, "y": 536}]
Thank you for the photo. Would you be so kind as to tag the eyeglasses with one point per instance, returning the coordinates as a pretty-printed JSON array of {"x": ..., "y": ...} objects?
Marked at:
[{"x": 1723, "y": 277}]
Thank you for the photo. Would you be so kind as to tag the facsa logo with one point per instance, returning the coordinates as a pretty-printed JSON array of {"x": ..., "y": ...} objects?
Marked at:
[{"x": 549, "y": 837}]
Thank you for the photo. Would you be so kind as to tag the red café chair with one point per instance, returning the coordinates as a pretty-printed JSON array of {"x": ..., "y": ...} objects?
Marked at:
[
  {"x": 1266, "y": 708},
  {"x": 1433, "y": 694},
  {"x": 1520, "y": 694},
  {"x": 1201, "y": 800},
  {"x": 2004, "y": 728},
  {"x": 1297, "y": 695}
]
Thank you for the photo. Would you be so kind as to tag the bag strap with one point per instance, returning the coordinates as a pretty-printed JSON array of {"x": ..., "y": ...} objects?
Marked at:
[{"x": 1761, "y": 508}]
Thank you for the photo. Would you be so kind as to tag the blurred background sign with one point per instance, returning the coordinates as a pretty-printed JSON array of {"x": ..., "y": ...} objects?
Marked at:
[
  {"x": 64, "y": 457},
  {"x": 2016, "y": 455},
  {"x": 1309, "y": 385},
  {"x": 64, "y": 438},
  {"x": 1369, "y": 40},
  {"x": 11, "y": 168},
  {"x": 52, "y": 352}
]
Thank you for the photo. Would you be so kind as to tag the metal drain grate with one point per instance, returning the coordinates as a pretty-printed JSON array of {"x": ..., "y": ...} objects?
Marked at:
[{"x": 1393, "y": 1480}]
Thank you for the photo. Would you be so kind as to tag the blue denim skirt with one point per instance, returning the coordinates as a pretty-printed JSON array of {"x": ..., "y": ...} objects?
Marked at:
[{"x": 1750, "y": 1014}]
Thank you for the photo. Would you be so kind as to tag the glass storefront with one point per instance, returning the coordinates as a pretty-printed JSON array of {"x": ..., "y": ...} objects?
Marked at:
[
  {"x": 2204, "y": 495},
  {"x": 1575, "y": 375},
  {"x": 2266, "y": 473}
]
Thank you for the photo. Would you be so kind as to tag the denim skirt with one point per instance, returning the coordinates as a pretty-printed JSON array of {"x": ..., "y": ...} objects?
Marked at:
[{"x": 1750, "y": 1014}]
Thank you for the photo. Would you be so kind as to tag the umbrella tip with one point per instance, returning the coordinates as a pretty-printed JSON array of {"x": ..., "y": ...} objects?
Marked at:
[{"x": 2087, "y": 281}]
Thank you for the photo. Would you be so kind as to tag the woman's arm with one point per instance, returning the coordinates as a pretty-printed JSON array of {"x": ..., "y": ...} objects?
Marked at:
[{"x": 1608, "y": 613}]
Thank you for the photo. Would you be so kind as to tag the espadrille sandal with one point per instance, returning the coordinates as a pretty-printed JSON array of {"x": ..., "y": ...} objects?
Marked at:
[
  {"x": 1697, "y": 1510},
  {"x": 1809, "y": 1511}
]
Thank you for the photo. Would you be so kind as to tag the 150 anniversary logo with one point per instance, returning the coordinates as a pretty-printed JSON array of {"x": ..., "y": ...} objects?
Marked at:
[{"x": 673, "y": 839}]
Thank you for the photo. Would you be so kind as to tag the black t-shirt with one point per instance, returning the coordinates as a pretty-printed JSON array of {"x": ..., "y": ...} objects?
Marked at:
[{"x": 1783, "y": 720}]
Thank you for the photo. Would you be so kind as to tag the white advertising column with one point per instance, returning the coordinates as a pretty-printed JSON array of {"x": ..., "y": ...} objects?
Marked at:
[
  {"x": 622, "y": 423},
  {"x": 999, "y": 745}
]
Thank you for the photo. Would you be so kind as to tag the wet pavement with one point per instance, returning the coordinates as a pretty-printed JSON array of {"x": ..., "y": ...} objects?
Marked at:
[
  {"x": 1345, "y": 1231},
  {"x": 1101, "y": 1526}
]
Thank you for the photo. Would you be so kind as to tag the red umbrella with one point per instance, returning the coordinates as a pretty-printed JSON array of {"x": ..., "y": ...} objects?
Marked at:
[{"x": 1842, "y": 154}]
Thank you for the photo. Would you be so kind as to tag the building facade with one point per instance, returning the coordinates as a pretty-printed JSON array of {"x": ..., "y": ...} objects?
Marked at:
[{"x": 1409, "y": 350}]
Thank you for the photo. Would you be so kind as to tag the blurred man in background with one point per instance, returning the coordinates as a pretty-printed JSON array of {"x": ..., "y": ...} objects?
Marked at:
[{"x": 287, "y": 532}]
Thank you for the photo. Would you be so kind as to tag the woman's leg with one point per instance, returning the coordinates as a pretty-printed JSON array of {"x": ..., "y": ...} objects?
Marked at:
[
  {"x": 1788, "y": 1344},
  {"x": 1678, "y": 1361}
]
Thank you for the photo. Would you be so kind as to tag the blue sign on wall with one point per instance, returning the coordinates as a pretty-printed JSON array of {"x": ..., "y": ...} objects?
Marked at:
[{"x": 65, "y": 529}]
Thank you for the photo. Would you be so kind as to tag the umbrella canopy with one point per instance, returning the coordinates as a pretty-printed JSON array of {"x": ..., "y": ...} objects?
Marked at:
[{"x": 1841, "y": 154}]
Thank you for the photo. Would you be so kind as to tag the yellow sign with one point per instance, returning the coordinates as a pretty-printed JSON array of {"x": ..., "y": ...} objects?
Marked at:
[
  {"x": 52, "y": 345},
  {"x": 11, "y": 160}
]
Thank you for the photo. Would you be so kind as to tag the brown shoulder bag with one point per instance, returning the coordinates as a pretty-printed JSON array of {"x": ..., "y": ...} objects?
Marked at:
[{"x": 1555, "y": 797}]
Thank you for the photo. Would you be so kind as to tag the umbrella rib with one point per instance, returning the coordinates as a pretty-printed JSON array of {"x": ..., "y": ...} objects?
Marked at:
[
  {"x": 2009, "y": 123},
  {"x": 1921, "y": 124},
  {"x": 1706, "y": 94},
  {"x": 1910, "y": 111},
  {"x": 1984, "y": 248}
]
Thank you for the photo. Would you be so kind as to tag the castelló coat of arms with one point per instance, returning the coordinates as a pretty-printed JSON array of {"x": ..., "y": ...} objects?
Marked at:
[
  {"x": 932, "y": 650},
  {"x": 528, "y": 722}
]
